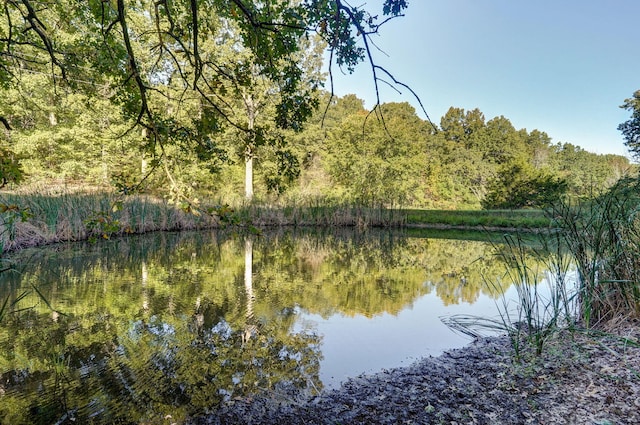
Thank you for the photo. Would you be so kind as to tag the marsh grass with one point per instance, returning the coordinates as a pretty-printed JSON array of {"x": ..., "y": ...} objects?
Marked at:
[
  {"x": 73, "y": 217},
  {"x": 591, "y": 276},
  {"x": 542, "y": 297},
  {"x": 317, "y": 214},
  {"x": 603, "y": 236},
  {"x": 69, "y": 216},
  {"x": 545, "y": 296},
  {"x": 60, "y": 216}
]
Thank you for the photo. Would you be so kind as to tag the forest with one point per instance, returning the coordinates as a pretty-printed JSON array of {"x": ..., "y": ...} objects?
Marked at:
[
  {"x": 347, "y": 154},
  {"x": 206, "y": 116}
]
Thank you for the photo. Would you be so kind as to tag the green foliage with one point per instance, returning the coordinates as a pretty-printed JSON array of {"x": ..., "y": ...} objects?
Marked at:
[
  {"x": 11, "y": 170},
  {"x": 10, "y": 215},
  {"x": 521, "y": 186},
  {"x": 380, "y": 162},
  {"x": 178, "y": 71},
  {"x": 101, "y": 224},
  {"x": 225, "y": 214},
  {"x": 631, "y": 128},
  {"x": 587, "y": 174}
]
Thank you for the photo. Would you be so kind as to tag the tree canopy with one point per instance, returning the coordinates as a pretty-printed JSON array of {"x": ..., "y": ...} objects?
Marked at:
[
  {"x": 135, "y": 46},
  {"x": 171, "y": 66},
  {"x": 188, "y": 95},
  {"x": 631, "y": 128}
]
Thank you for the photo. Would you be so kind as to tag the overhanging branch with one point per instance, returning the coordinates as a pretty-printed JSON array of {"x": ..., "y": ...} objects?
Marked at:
[{"x": 375, "y": 68}]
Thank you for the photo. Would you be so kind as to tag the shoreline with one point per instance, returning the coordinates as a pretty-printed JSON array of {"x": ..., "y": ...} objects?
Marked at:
[
  {"x": 479, "y": 228},
  {"x": 579, "y": 379}
]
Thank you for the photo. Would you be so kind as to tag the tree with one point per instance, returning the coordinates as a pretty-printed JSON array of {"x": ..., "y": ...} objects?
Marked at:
[
  {"x": 68, "y": 136},
  {"x": 139, "y": 46},
  {"x": 453, "y": 125},
  {"x": 587, "y": 174},
  {"x": 519, "y": 185},
  {"x": 502, "y": 141},
  {"x": 631, "y": 128},
  {"x": 380, "y": 162},
  {"x": 538, "y": 145}
]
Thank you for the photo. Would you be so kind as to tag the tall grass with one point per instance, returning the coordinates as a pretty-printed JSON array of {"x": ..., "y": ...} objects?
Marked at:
[
  {"x": 545, "y": 300},
  {"x": 56, "y": 216},
  {"x": 72, "y": 217},
  {"x": 318, "y": 213},
  {"x": 603, "y": 236},
  {"x": 591, "y": 259},
  {"x": 542, "y": 298}
]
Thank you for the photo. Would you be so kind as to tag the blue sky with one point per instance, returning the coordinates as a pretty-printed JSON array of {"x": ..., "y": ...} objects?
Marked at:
[{"x": 559, "y": 66}]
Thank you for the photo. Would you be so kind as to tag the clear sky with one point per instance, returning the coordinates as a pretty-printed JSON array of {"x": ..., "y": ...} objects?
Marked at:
[{"x": 559, "y": 66}]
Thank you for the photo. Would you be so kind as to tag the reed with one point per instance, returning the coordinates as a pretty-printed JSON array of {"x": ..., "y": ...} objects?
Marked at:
[
  {"x": 541, "y": 301},
  {"x": 315, "y": 213},
  {"x": 60, "y": 216},
  {"x": 603, "y": 236},
  {"x": 72, "y": 217},
  {"x": 591, "y": 272}
]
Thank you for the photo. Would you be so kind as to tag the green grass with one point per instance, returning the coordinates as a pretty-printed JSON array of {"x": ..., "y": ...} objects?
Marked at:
[{"x": 507, "y": 219}]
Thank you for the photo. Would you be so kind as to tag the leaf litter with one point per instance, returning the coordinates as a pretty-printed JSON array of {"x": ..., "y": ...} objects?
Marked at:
[{"x": 579, "y": 379}]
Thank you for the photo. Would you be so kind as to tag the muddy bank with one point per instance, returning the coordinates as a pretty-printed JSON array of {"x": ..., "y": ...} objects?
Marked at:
[{"x": 578, "y": 380}]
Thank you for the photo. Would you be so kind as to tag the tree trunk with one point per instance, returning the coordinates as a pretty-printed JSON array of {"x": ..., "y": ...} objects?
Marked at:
[
  {"x": 248, "y": 175},
  {"x": 249, "y": 149}
]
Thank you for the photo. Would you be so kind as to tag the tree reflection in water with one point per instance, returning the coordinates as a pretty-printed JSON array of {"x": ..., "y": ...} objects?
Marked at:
[{"x": 171, "y": 325}]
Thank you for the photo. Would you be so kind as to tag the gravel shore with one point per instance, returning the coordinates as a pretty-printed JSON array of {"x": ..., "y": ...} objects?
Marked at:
[{"x": 579, "y": 379}]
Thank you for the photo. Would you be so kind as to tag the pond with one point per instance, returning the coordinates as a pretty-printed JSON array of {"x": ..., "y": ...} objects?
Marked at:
[{"x": 170, "y": 325}]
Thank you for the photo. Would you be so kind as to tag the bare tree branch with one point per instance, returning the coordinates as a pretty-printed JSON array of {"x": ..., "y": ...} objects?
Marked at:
[
  {"x": 196, "y": 55},
  {"x": 41, "y": 30},
  {"x": 365, "y": 37},
  {"x": 133, "y": 66}
]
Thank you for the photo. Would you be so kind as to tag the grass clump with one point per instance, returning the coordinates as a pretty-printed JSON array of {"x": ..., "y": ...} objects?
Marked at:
[
  {"x": 542, "y": 297},
  {"x": 590, "y": 276},
  {"x": 603, "y": 236}
]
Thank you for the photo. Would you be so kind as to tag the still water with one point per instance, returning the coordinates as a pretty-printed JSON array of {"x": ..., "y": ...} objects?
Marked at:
[{"x": 170, "y": 325}]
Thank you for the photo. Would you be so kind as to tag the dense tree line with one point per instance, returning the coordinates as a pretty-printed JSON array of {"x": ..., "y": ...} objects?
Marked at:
[
  {"x": 188, "y": 99},
  {"x": 344, "y": 154}
]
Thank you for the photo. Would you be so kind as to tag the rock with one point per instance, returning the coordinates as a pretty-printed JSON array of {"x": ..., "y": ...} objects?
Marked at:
[{"x": 478, "y": 384}]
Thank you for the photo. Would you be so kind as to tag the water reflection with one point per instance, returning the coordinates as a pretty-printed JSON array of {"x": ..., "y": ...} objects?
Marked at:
[{"x": 167, "y": 326}]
